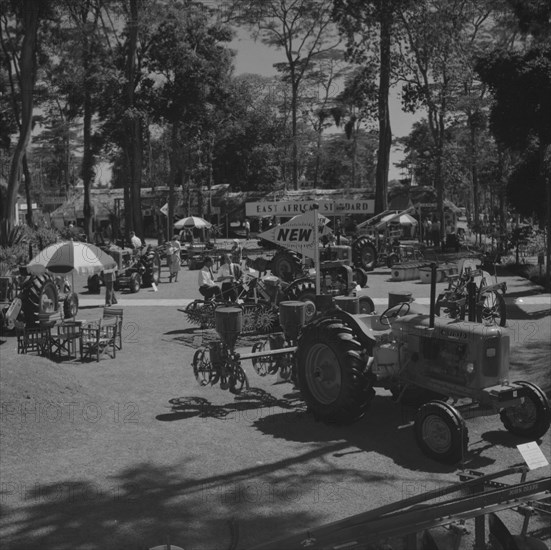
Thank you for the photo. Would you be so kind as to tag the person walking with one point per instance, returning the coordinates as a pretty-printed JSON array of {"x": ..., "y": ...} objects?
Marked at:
[
  {"x": 427, "y": 229},
  {"x": 247, "y": 229},
  {"x": 175, "y": 250},
  {"x": 207, "y": 287},
  {"x": 109, "y": 278}
]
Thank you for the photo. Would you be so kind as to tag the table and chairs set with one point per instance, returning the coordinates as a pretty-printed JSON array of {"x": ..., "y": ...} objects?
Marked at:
[{"x": 59, "y": 339}]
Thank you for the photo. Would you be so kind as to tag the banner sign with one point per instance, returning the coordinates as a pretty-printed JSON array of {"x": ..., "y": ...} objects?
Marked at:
[
  {"x": 297, "y": 234},
  {"x": 337, "y": 207}
]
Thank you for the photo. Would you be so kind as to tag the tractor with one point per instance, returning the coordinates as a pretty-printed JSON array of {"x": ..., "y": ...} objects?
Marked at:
[
  {"x": 135, "y": 269},
  {"x": 447, "y": 370},
  {"x": 25, "y": 298}
]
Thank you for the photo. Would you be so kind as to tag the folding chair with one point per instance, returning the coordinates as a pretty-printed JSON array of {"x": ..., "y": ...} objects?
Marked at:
[
  {"x": 97, "y": 339},
  {"x": 117, "y": 313},
  {"x": 63, "y": 339},
  {"x": 33, "y": 340}
]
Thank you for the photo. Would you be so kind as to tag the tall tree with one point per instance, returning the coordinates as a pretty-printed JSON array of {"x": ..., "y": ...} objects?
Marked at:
[
  {"x": 189, "y": 68},
  {"x": 359, "y": 20},
  {"x": 435, "y": 56},
  {"x": 303, "y": 29},
  {"x": 28, "y": 13}
]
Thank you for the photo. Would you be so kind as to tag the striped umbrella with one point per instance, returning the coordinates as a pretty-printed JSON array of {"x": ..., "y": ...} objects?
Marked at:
[{"x": 71, "y": 257}]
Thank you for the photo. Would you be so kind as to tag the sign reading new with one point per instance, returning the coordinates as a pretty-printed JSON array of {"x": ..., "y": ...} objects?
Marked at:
[
  {"x": 297, "y": 234},
  {"x": 336, "y": 207}
]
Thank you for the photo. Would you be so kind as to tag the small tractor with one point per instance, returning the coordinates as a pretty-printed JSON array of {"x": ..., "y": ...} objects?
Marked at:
[
  {"x": 447, "y": 369},
  {"x": 24, "y": 298},
  {"x": 135, "y": 268}
]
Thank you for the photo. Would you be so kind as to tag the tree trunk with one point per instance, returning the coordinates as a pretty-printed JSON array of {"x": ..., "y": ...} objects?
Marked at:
[
  {"x": 133, "y": 129},
  {"x": 294, "y": 154},
  {"x": 87, "y": 162},
  {"x": 474, "y": 171},
  {"x": 543, "y": 152},
  {"x": 28, "y": 183},
  {"x": 30, "y": 11},
  {"x": 172, "y": 180},
  {"x": 385, "y": 133}
]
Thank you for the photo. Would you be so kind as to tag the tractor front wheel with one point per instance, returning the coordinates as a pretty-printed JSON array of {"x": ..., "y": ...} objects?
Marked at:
[
  {"x": 70, "y": 305},
  {"x": 531, "y": 418},
  {"x": 331, "y": 375},
  {"x": 441, "y": 432},
  {"x": 360, "y": 277},
  {"x": 135, "y": 283}
]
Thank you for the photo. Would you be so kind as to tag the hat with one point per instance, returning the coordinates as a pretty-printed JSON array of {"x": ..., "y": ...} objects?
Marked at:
[{"x": 236, "y": 241}]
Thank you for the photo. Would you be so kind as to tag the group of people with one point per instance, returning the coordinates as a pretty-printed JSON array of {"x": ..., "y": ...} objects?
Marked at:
[
  {"x": 226, "y": 284},
  {"x": 431, "y": 232}
]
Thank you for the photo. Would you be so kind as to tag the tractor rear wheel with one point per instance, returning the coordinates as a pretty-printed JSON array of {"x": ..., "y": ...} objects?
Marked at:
[
  {"x": 39, "y": 296},
  {"x": 304, "y": 291},
  {"x": 70, "y": 305},
  {"x": 364, "y": 253},
  {"x": 530, "y": 419},
  {"x": 152, "y": 264},
  {"x": 286, "y": 265},
  {"x": 441, "y": 432},
  {"x": 331, "y": 371}
]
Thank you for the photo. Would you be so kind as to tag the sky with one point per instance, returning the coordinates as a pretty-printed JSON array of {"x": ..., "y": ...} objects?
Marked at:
[{"x": 255, "y": 57}]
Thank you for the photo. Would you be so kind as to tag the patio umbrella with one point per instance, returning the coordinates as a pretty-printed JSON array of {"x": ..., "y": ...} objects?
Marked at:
[
  {"x": 402, "y": 219},
  {"x": 192, "y": 221},
  {"x": 70, "y": 257}
]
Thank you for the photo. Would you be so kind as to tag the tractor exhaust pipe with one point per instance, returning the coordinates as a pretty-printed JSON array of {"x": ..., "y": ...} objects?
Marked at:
[{"x": 432, "y": 293}]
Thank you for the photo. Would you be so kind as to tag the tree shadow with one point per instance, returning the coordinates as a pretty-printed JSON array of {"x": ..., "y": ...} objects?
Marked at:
[
  {"x": 386, "y": 429},
  {"x": 147, "y": 504}
]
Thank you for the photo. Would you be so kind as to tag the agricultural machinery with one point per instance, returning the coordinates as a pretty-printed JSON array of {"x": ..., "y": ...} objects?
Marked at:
[
  {"x": 24, "y": 298},
  {"x": 135, "y": 269},
  {"x": 470, "y": 295},
  {"x": 447, "y": 369}
]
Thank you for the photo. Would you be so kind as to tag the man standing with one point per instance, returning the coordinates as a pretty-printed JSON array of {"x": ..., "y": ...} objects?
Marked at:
[
  {"x": 109, "y": 277},
  {"x": 247, "y": 228},
  {"x": 236, "y": 252}
]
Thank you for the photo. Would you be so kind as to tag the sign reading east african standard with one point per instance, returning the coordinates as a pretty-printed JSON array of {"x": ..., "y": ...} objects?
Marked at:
[
  {"x": 297, "y": 234},
  {"x": 337, "y": 207}
]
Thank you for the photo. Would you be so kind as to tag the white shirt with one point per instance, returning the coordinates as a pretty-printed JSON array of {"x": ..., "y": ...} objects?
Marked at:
[
  {"x": 136, "y": 241},
  {"x": 206, "y": 277},
  {"x": 227, "y": 271}
]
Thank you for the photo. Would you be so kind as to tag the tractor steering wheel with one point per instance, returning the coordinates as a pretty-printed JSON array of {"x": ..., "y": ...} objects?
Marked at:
[{"x": 393, "y": 312}]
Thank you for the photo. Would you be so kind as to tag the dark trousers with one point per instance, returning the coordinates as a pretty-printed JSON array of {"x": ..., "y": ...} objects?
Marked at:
[{"x": 210, "y": 291}]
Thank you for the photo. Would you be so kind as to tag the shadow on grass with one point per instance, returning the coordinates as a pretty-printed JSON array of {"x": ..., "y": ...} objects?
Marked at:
[
  {"x": 514, "y": 312},
  {"x": 530, "y": 362}
]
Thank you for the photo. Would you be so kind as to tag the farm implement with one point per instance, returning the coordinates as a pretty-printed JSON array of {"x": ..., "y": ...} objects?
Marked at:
[{"x": 448, "y": 369}]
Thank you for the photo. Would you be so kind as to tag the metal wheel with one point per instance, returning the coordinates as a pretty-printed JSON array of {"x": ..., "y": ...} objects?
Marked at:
[
  {"x": 266, "y": 318},
  {"x": 135, "y": 283},
  {"x": 440, "y": 432},
  {"x": 261, "y": 365},
  {"x": 366, "y": 304},
  {"x": 531, "y": 418},
  {"x": 70, "y": 305},
  {"x": 493, "y": 310},
  {"x": 249, "y": 318},
  {"x": 238, "y": 380},
  {"x": 202, "y": 367}
]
